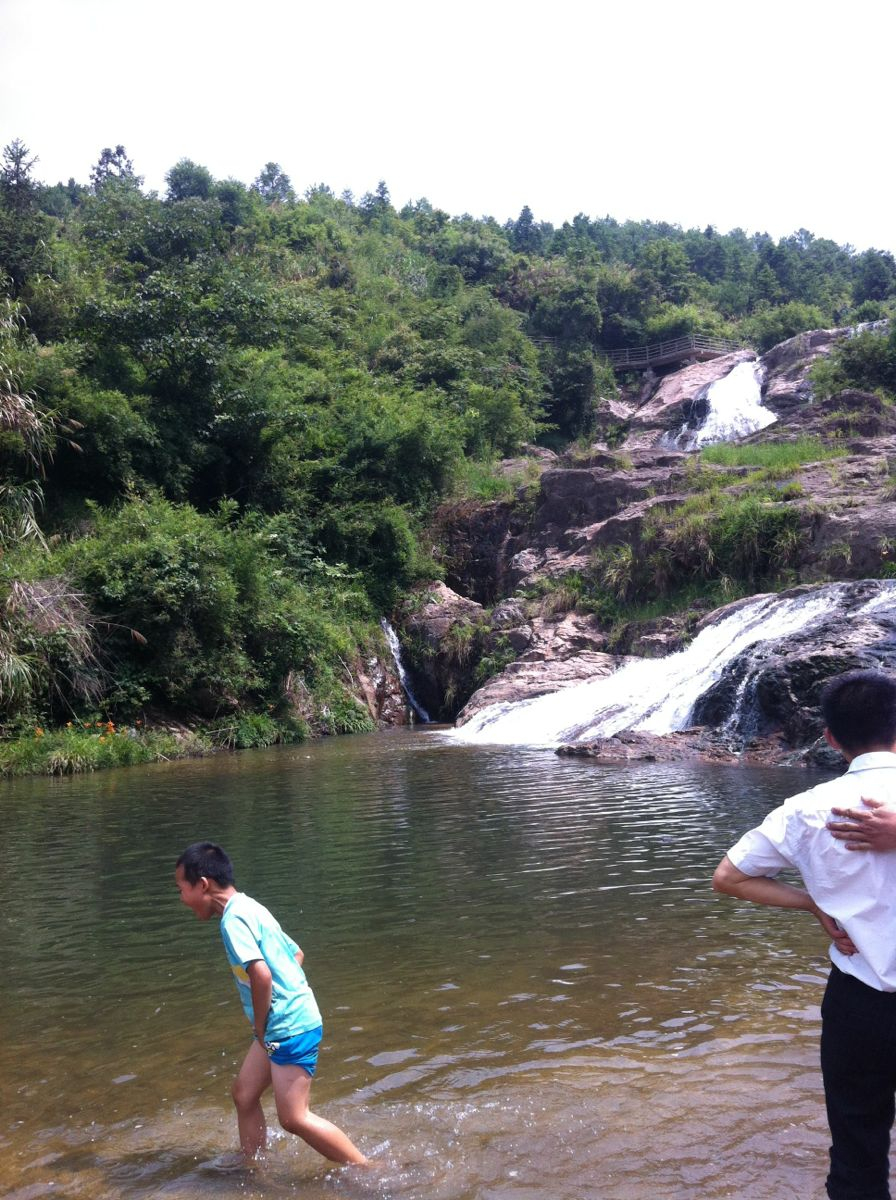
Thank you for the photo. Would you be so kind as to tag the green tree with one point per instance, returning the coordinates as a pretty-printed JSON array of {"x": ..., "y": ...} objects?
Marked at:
[
  {"x": 187, "y": 180},
  {"x": 875, "y": 276},
  {"x": 273, "y": 185},
  {"x": 23, "y": 228},
  {"x": 114, "y": 166}
]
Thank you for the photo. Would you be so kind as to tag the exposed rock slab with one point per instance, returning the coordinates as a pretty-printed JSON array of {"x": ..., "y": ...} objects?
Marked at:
[
  {"x": 774, "y": 687},
  {"x": 786, "y": 385},
  {"x": 525, "y": 679}
]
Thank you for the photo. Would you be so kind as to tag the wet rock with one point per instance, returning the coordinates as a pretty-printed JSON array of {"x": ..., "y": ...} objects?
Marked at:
[
  {"x": 774, "y": 687},
  {"x": 688, "y": 745},
  {"x": 786, "y": 366},
  {"x": 529, "y": 677},
  {"x": 383, "y": 694}
]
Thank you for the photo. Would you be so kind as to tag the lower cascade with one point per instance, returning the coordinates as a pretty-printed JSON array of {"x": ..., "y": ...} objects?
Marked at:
[{"x": 658, "y": 695}]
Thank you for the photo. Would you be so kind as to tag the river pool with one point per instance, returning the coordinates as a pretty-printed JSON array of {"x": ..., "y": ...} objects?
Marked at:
[{"x": 529, "y": 989}]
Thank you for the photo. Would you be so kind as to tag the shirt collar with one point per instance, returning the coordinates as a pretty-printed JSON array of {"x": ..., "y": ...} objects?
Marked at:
[{"x": 872, "y": 761}]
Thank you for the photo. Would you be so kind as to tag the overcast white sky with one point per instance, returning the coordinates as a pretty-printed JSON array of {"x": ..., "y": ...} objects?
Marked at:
[{"x": 769, "y": 115}]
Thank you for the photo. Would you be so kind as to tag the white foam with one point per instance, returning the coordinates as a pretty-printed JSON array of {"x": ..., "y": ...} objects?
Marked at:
[{"x": 654, "y": 695}]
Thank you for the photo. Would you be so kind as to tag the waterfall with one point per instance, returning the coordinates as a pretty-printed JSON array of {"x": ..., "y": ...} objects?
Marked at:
[
  {"x": 735, "y": 409},
  {"x": 658, "y": 695},
  {"x": 395, "y": 647}
]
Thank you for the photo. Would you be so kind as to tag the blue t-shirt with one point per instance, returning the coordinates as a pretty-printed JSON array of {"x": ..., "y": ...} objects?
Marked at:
[{"x": 251, "y": 934}]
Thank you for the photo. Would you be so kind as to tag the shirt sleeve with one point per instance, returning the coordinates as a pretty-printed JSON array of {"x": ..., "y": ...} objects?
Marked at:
[
  {"x": 292, "y": 946},
  {"x": 767, "y": 849},
  {"x": 241, "y": 941}
]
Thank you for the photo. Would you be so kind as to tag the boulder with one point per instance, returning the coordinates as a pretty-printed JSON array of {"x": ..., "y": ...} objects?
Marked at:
[
  {"x": 774, "y": 687},
  {"x": 786, "y": 385},
  {"x": 530, "y": 677}
]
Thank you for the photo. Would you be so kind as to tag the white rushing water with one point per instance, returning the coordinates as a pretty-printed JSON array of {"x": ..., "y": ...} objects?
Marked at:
[
  {"x": 395, "y": 647},
  {"x": 735, "y": 409},
  {"x": 653, "y": 695}
]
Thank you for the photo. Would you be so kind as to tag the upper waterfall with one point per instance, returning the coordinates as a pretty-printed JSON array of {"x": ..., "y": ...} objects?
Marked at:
[
  {"x": 658, "y": 695},
  {"x": 735, "y": 409}
]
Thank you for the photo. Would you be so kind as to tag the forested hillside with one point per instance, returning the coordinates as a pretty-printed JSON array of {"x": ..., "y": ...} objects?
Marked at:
[{"x": 227, "y": 411}]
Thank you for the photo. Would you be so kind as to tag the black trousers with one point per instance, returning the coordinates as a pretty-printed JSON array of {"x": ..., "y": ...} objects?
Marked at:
[{"x": 858, "y": 1065}]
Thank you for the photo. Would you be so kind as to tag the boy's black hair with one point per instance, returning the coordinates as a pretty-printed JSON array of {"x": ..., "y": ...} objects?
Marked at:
[
  {"x": 208, "y": 859},
  {"x": 859, "y": 708}
]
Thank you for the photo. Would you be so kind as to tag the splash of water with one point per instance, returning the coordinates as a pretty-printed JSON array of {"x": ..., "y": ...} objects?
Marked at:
[
  {"x": 395, "y": 647},
  {"x": 735, "y": 409},
  {"x": 656, "y": 696}
]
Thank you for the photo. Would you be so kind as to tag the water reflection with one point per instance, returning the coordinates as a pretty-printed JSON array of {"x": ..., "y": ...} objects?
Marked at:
[{"x": 528, "y": 987}]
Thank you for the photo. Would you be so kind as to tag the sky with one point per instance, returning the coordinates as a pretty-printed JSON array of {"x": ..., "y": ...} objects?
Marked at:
[{"x": 768, "y": 116}]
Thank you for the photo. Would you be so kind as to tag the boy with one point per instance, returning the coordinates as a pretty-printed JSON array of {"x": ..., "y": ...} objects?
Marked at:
[
  {"x": 854, "y": 898},
  {"x": 276, "y": 997}
]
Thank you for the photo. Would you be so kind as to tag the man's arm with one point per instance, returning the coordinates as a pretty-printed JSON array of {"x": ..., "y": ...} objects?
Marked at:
[
  {"x": 261, "y": 985},
  {"x": 762, "y": 889},
  {"x": 870, "y": 828}
]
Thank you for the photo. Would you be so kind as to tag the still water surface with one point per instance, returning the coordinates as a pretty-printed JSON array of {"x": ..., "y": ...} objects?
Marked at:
[{"x": 528, "y": 988}]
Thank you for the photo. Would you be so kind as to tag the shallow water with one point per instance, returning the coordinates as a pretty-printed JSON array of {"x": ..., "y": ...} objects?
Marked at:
[{"x": 529, "y": 989}]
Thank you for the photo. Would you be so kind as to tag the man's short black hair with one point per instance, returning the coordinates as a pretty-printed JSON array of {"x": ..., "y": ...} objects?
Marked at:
[
  {"x": 859, "y": 708},
  {"x": 208, "y": 859}
]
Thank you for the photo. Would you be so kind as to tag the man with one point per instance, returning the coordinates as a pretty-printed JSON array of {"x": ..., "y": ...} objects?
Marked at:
[{"x": 854, "y": 897}]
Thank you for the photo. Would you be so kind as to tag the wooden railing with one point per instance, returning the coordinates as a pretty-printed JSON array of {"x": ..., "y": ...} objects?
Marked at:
[{"x": 697, "y": 345}]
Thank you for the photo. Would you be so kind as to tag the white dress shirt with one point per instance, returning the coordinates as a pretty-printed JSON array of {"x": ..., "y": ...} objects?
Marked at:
[{"x": 857, "y": 888}]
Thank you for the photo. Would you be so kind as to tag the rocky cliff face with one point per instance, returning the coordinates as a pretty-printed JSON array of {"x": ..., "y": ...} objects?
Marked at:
[
  {"x": 840, "y": 513},
  {"x": 601, "y": 499}
]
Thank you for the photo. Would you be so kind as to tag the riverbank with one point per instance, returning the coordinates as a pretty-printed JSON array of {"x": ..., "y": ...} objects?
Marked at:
[{"x": 84, "y": 746}]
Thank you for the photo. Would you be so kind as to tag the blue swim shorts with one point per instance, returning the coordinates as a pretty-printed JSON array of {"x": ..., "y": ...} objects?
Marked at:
[{"x": 298, "y": 1051}]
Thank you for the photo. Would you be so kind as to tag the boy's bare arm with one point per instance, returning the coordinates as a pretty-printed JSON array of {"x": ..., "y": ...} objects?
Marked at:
[
  {"x": 300, "y": 955},
  {"x": 870, "y": 828},
  {"x": 763, "y": 889},
  {"x": 261, "y": 985}
]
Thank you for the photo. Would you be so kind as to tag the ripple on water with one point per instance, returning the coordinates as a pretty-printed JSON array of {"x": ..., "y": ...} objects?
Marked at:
[{"x": 528, "y": 987}]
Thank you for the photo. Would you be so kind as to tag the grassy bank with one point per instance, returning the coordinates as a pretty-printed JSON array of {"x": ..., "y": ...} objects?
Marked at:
[{"x": 92, "y": 746}]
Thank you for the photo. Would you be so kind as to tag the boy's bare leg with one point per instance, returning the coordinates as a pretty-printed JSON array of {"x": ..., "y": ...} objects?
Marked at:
[
  {"x": 292, "y": 1089},
  {"x": 248, "y": 1087}
]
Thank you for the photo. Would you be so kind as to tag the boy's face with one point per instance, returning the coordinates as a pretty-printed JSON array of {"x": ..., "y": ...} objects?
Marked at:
[{"x": 195, "y": 895}]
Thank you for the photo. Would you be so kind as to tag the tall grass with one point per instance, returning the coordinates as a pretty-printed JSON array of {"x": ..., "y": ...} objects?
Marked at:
[
  {"x": 771, "y": 455},
  {"x": 92, "y": 746},
  {"x": 478, "y": 480}
]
